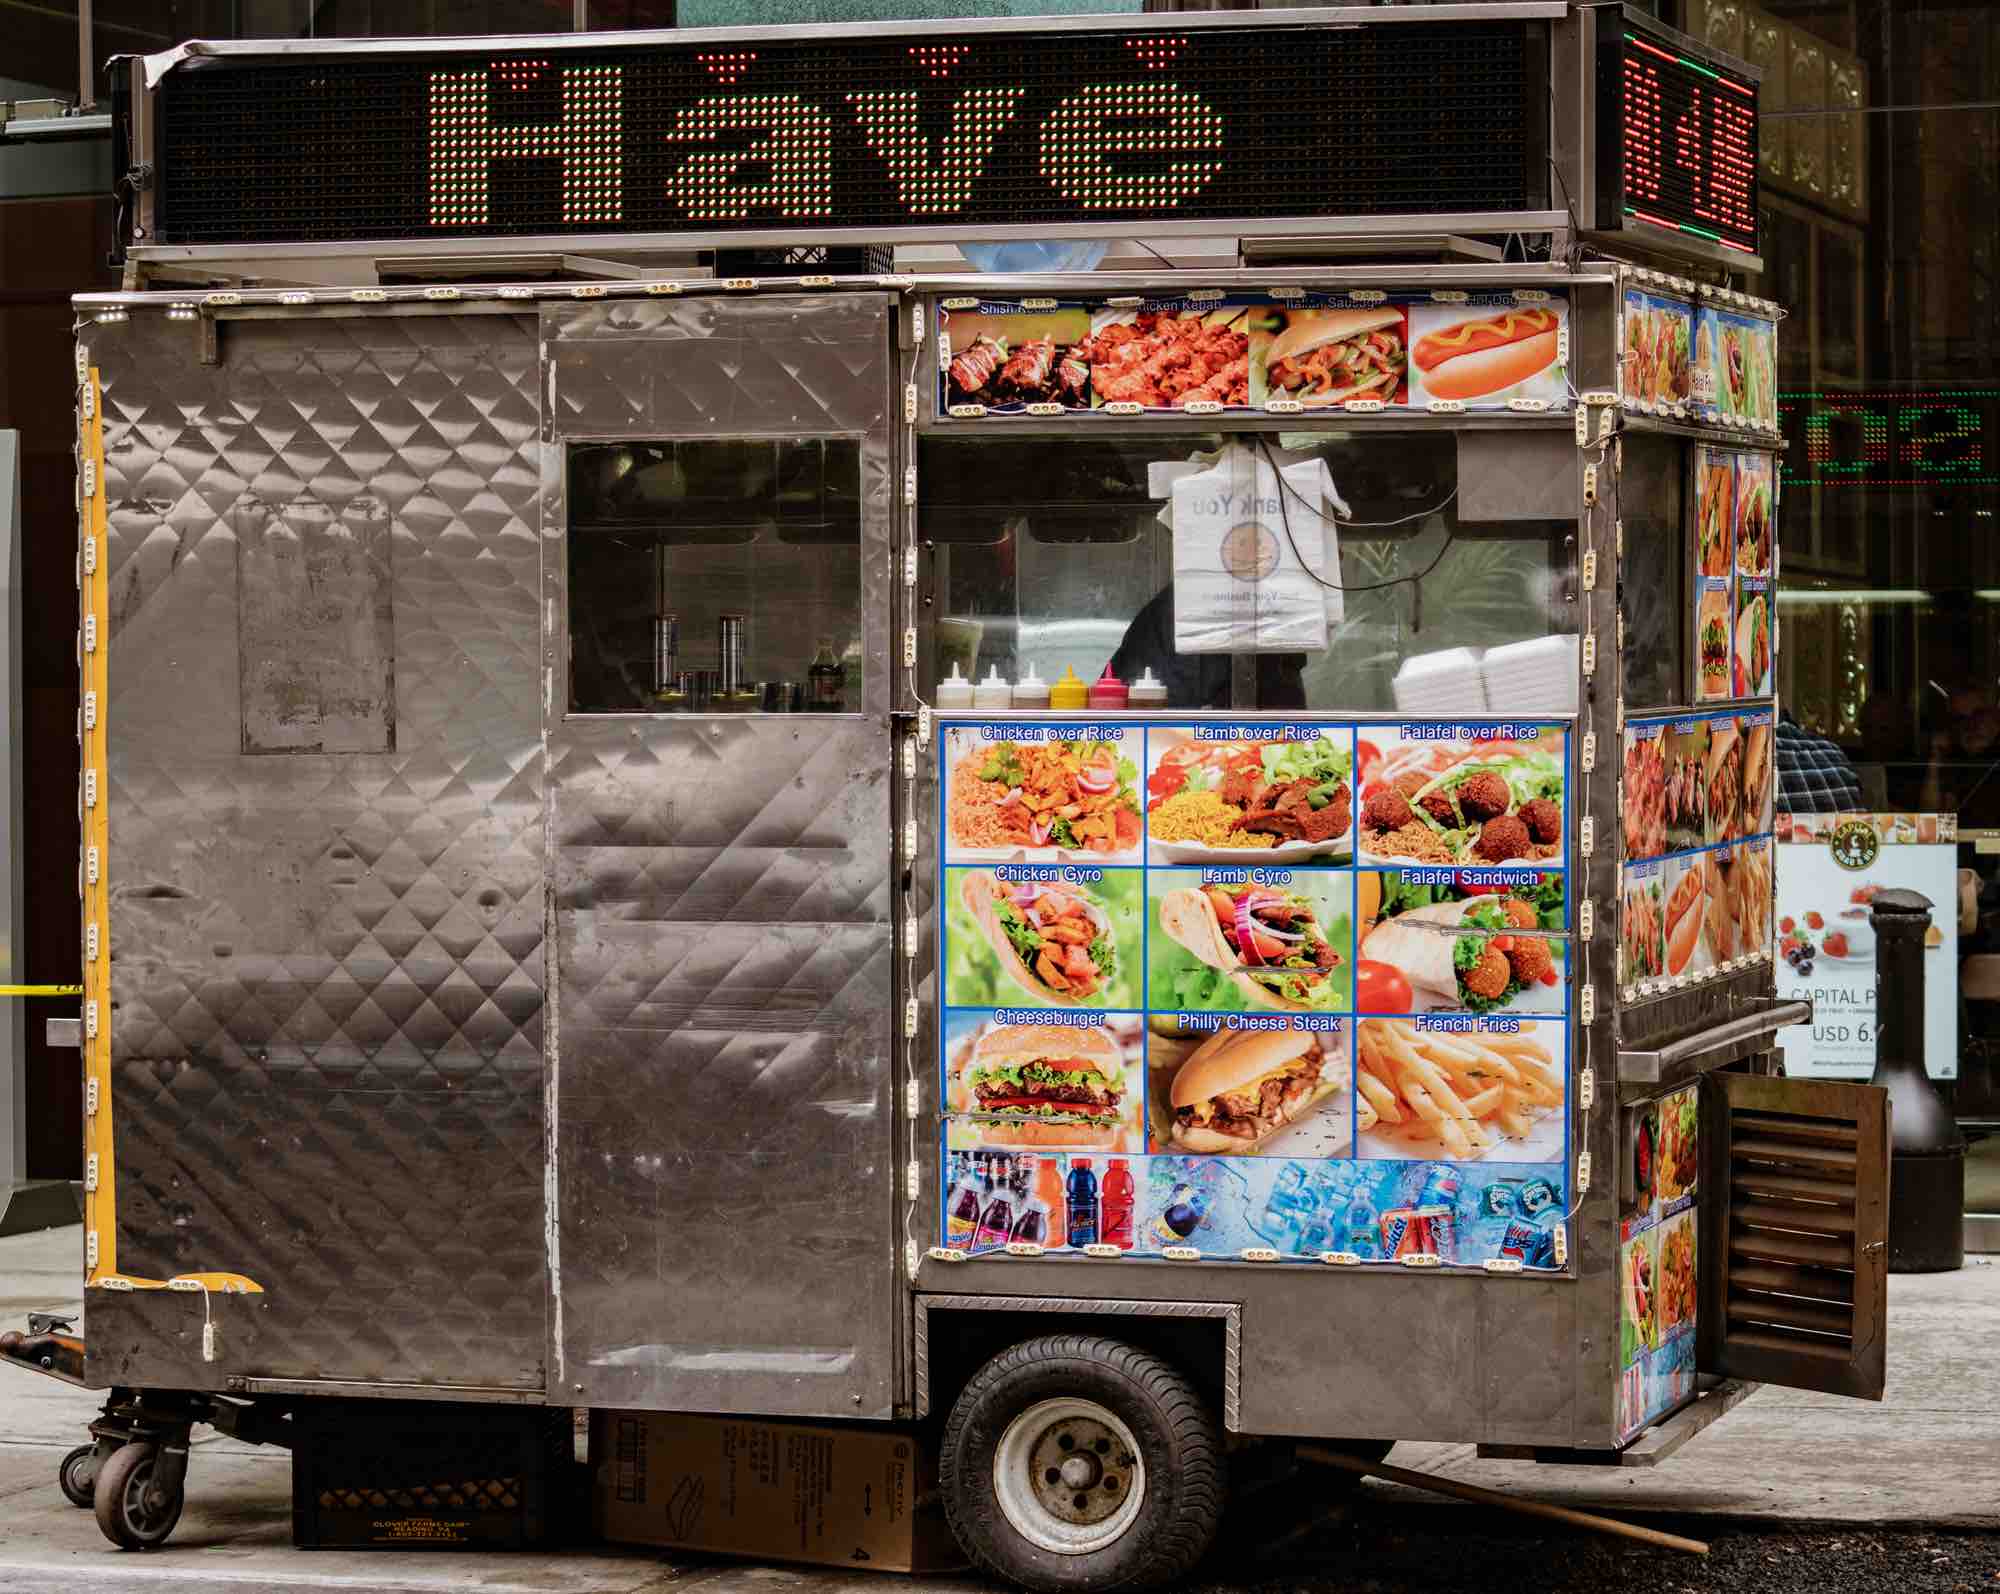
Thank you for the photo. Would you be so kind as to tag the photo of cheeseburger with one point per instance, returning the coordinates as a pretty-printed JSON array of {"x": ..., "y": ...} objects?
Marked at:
[
  {"x": 1240, "y": 1090},
  {"x": 1059, "y": 1086},
  {"x": 1495, "y": 354},
  {"x": 1326, "y": 357}
]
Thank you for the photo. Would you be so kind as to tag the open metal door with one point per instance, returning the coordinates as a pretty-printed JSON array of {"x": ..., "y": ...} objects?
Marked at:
[
  {"x": 720, "y": 1055},
  {"x": 1795, "y": 1276}
]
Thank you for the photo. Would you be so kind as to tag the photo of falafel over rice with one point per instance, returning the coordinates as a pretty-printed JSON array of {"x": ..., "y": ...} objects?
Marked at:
[{"x": 1476, "y": 802}]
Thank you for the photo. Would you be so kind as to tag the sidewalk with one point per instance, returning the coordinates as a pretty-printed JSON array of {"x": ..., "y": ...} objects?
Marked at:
[{"x": 1925, "y": 1457}]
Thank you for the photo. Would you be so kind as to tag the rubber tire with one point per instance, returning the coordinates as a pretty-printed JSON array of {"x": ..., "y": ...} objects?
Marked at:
[
  {"x": 1176, "y": 1434},
  {"x": 118, "y": 1482},
  {"x": 78, "y": 1491}
]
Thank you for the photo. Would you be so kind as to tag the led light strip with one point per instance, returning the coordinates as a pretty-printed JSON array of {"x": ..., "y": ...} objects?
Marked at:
[{"x": 93, "y": 579}]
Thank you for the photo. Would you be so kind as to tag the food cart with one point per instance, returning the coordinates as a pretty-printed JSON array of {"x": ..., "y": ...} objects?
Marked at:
[{"x": 1107, "y": 863}]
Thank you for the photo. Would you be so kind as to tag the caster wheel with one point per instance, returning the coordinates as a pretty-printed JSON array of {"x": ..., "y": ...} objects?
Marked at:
[
  {"x": 132, "y": 1512},
  {"x": 78, "y": 1476},
  {"x": 1074, "y": 1463}
]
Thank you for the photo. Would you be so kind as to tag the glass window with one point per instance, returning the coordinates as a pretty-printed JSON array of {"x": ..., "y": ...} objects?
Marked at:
[
  {"x": 716, "y": 576},
  {"x": 1061, "y": 555}
]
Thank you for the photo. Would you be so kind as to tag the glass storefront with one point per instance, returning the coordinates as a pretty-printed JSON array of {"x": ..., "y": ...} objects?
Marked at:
[{"x": 1881, "y": 183}]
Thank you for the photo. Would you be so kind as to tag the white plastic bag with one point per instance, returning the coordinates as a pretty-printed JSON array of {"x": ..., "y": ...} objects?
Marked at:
[{"x": 1250, "y": 533}]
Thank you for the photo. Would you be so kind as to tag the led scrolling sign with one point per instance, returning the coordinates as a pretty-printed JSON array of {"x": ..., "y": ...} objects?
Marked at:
[
  {"x": 1678, "y": 149},
  {"x": 860, "y": 133}
]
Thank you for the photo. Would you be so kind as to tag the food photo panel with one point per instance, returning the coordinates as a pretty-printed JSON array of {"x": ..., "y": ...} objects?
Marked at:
[
  {"x": 1488, "y": 352},
  {"x": 1644, "y": 795},
  {"x": 1284, "y": 1088},
  {"x": 1642, "y": 923},
  {"x": 1685, "y": 804},
  {"x": 1283, "y": 799},
  {"x": 1460, "y": 941},
  {"x": 1470, "y": 795},
  {"x": 1016, "y": 938},
  {"x": 1075, "y": 1085},
  {"x": 1461, "y": 1089},
  {"x": 1039, "y": 794},
  {"x": 1231, "y": 940}
]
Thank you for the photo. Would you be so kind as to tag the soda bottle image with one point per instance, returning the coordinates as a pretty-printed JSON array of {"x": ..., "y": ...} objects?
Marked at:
[
  {"x": 1082, "y": 1195},
  {"x": 996, "y": 1223},
  {"x": 1032, "y": 1226},
  {"x": 1049, "y": 1192},
  {"x": 1118, "y": 1201},
  {"x": 1364, "y": 1234},
  {"x": 962, "y": 1208},
  {"x": 1184, "y": 1212}
]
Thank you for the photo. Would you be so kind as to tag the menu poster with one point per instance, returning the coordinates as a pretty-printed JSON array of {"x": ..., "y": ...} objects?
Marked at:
[
  {"x": 1735, "y": 563},
  {"x": 1695, "y": 888},
  {"x": 1830, "y": 867},
  {"x": 1658, "y": 1302},
  {"x": 1265, "y": 991},
  {"x": 1214, "y": 352},
  {"x": 1654, "y": 346},
  {"x": 1735, "y": 367}
]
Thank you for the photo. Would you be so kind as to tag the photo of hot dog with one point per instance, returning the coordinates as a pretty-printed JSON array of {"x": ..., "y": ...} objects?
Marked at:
[
  {"x": 1684, "y": 918},
  {"x": 1482, "y": 356},
  {"x": 1718, "y": 870}
]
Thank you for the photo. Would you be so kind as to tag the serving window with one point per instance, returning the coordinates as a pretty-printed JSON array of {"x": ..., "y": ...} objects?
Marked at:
[
  {"x": 715, "y": 575},
  {"x": 1316, "y": 570}
]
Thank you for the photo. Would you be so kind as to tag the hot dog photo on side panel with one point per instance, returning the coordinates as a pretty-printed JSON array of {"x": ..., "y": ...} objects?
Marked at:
[{"x": 1486, "y": 353}]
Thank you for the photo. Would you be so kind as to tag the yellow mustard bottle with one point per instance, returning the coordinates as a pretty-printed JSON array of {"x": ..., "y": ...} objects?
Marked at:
[{"x": 1069, "y": 692}]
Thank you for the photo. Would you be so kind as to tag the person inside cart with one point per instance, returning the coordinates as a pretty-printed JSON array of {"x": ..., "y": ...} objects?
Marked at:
[{"x": 1200, "y": 680}]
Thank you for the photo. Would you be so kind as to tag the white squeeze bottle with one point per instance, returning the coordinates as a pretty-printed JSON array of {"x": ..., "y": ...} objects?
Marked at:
[
  {"x": 1031, "y": 691},
  {"x": 954, "y": 691},
  {"x": 993, "y": 692},
  {"x": 1147, "y": 692}
]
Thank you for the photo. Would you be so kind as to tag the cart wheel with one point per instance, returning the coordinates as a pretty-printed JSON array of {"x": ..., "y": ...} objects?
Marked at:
[
  {"x": 1073, "y": 1462},
  {"x": 132, "y": 1513},
  {"x": 78, "y": 1476}
]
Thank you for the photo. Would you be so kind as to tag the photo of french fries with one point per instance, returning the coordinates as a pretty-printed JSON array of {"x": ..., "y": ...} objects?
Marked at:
[{"x": 1442, "y": 1094}]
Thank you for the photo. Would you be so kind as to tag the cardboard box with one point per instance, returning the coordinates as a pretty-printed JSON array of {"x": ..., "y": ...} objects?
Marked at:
[{"x": 863, "y": 1498}]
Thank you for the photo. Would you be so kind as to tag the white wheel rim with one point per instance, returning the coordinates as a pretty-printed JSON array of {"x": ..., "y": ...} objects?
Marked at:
[{"x": 1068, "y": 1476}]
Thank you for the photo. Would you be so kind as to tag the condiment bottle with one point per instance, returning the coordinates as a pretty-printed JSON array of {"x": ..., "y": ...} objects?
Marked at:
[
  {"x": 1031, "y": 691},
  {"x": 993, "y": 692},
  {"x": 1069, "y": 692},
  {"x": 954, "y": 691},
  {"x": 1148, "y": 692},
  {"x": 1107, "y": 691}
]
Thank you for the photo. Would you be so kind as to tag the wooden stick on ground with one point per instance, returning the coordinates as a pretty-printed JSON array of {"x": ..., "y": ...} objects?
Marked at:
[{"x": 1478, "y": 1496}]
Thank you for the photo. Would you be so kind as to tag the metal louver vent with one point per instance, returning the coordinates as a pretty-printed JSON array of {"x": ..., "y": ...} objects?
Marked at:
[{"x": 1795, "y": 1287}]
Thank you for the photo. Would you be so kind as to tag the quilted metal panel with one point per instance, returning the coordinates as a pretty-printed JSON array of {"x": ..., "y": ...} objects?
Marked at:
[
  {"x": 328, "y": 965},
  {"x": 726, "y": 1229}
]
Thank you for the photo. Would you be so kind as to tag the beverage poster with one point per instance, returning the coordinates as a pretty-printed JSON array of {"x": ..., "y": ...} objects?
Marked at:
[
  {"x": 1735, "y": 570},
  {"x": 1262, "y": 991},
  {"x": 1830, "y": 867},
  {"x": 1655, "y": 335},
  {"x": 1211, "y": 353},
  {"x": 1656, "y": 1264},
  {"x": 1695, "y": 891}
]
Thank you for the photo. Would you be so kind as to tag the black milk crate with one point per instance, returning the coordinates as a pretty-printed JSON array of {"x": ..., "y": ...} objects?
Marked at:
[{"x": 395, "y": 1474}]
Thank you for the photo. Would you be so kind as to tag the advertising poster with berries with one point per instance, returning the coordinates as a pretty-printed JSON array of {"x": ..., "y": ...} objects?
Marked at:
[
  {"x": 1830, "y": 868},
  {"x": 1695, "y": 888},
  {"x": 1261, "y": 991},
  {"x": 1206, "y": 353},
  {"x": 1656, "y": 1264}
]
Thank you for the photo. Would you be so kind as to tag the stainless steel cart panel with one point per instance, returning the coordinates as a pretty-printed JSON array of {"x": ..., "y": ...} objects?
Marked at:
[
  {"x": 326, "y": 848},
  {"x": 721, "y": 1106}
]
